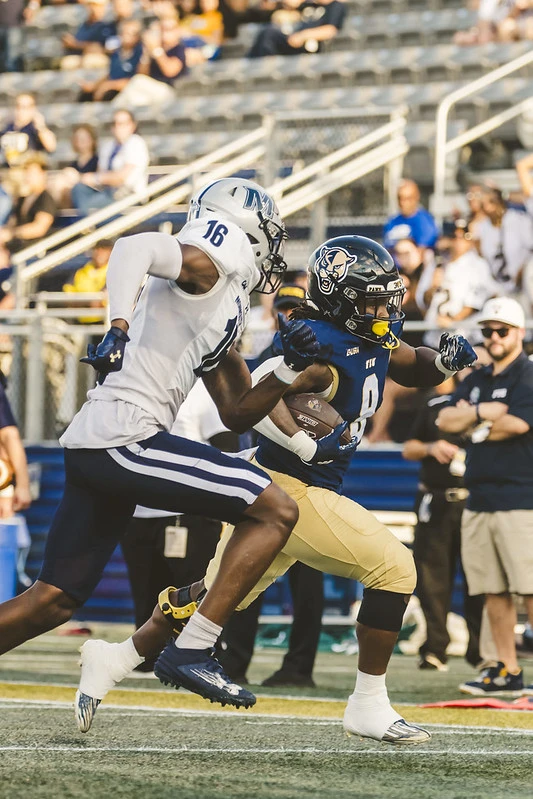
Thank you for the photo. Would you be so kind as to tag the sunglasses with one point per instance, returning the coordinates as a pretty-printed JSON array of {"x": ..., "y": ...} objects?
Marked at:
[{"x": 502, "y": 332}]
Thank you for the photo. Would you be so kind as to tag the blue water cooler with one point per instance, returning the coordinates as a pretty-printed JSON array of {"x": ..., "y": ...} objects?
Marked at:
[{"x": 8, "y": 559}]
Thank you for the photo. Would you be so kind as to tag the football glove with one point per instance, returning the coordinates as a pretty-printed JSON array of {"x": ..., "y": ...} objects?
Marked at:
[
  {"x": 298, "y": 342},
  {"x": 108, "y": 356},
  {"x": 329, "y": 448},
  {"x": 455, "y": 353}
]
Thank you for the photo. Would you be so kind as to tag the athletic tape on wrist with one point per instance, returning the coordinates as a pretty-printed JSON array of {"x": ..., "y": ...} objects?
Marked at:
[
  {"x": 303, "y": 445},
  {"x": 440, "y": 366},
  {"x": 284, "y": 373}
]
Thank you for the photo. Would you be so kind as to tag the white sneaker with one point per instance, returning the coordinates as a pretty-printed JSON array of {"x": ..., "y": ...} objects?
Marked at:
[
  {"x": 381, "y": 723},
  {"x": 95, "y": 681}
]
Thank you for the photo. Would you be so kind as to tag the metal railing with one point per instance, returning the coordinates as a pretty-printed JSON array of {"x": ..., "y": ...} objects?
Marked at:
[
  {"x": 316, "y": 181},
  {"x": 445, "y": 146}
]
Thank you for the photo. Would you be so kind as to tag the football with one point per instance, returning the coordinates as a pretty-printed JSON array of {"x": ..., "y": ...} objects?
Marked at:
[{"x": 314, "y": 415}]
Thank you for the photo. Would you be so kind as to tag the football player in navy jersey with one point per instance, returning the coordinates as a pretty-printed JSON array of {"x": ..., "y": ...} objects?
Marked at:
[{"x": 354, "y": 308}]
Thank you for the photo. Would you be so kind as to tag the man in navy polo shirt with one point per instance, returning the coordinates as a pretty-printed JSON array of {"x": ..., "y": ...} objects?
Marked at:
[{"x": 493, "y": 407}]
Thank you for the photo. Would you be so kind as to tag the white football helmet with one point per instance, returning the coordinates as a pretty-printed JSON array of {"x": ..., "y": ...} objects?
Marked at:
[{"x": 249, "y": 206}]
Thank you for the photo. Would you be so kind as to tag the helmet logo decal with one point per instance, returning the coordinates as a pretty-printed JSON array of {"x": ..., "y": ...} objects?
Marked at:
[
  {"x": 256, "y": 200},
  {"x": 332, "y": 266}
]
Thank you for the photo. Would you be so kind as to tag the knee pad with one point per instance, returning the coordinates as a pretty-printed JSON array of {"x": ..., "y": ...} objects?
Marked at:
[{"x": 382, "y": 610}]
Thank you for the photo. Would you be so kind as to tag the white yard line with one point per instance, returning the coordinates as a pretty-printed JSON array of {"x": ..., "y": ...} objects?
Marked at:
[
  {"x": 385, "y": 751},
  {"x": 259, "y": 719}
]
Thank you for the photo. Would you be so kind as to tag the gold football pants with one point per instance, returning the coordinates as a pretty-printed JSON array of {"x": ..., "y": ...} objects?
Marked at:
[{"x": 334, "y": 535}]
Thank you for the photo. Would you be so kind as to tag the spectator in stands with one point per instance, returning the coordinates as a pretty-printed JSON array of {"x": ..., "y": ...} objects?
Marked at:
[
  {"x": 462, "y": 284},
  {"x": 122, "y": 167},
  {"x": 413, "y": 221},
  {"x": 26, "y": 132},
  {"x": 123, "y": 11},
  {"x": 35, "y": 209},
  {"x": 86, "y": 47},
  {"x": 203, "y": 32},
  {"x": 84, "y": 143},
  {"x": 123, "y": 64},
  {"x": 490, "y": 14},
  {"x": 439, "y": 507},
  {"x": 317, "y": 22},
  {"x": 518, "y": 24},
  {"x": 91, "y": 278},
  {"x": 474, "y": 198},
  {"x": 162, "y": 63},
  {"x": 13, "y": 14},
  {"x": 524, "y": 168},
  {"x": 493, "y": 408},
  {"x": 505, "y": 241},
  {"x": 409, "y": 259}
]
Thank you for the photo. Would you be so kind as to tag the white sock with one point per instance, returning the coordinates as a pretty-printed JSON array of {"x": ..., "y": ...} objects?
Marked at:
[
  {"x": 123, "y": 659},
  {"x": 200, "y": 633},
  {"x": 368, "y": 687},
  {"x": 369, "y": 711}
]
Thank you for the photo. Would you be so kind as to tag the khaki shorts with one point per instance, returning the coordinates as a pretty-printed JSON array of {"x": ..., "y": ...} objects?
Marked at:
[
  {"x": 334, "y": 535},
  {"x": 497, "y": 551}
]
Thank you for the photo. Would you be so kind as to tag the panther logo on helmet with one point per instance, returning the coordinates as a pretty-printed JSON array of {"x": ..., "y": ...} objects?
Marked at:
[{"x": 332, "y": 267}]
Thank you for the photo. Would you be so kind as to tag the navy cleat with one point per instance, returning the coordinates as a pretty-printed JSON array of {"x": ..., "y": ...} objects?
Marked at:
[{"x": 199, "y": 671}]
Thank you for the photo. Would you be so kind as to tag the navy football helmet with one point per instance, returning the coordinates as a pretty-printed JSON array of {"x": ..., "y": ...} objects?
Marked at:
[{"x": 354, "y": 282}]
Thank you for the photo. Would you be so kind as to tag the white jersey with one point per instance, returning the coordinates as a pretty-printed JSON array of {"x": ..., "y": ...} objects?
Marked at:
[
  {"x": 467, "y": 283},
  {"x": 175, "y": 337}
]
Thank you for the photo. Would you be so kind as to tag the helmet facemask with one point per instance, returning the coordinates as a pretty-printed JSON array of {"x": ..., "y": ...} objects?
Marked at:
[
  {"x": 273, "y": 267},
  {"x": 374, "y": 311}
]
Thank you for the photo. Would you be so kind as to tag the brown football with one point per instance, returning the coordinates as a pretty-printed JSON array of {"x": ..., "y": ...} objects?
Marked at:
[{"x": 314, "y": 415}]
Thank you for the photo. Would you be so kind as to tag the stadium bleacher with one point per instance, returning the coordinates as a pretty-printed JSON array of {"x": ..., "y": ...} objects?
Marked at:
[{"x": 389, "y": 53}]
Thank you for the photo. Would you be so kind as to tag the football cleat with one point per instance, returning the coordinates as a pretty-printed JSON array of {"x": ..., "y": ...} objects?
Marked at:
[
  {"x": 199, "y": 671},
  {"x": 85, "y": 707},
  {"x": 378, "y": 720},
  {"x": 95, "y": 681},
  {"x": 495, "y": 681},
  {"x": 400, "y": 732}
]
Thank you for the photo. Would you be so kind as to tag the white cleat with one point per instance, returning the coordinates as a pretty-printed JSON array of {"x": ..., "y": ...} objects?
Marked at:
[
  {"x": 382, "y": 723},
  {"x": 95, "y": 681}
]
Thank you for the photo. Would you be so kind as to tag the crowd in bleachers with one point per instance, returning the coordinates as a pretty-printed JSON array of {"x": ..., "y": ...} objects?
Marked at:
[{"x": 499, "y": 20}]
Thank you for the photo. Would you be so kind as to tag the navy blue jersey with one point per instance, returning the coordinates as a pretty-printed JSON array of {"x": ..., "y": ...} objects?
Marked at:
[{"x": 362, "y": 368}]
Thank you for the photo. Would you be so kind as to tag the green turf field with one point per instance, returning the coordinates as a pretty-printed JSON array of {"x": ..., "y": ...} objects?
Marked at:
[{"x": 153, "y": 742}]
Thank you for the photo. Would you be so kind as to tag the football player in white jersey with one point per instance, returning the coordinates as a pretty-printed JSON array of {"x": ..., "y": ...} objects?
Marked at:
[{"x": 179, "y": 326}]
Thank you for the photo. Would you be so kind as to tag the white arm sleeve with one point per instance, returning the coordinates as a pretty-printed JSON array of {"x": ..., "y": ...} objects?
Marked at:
[
  {"x": 132, "y": 258},
  {"x": 300, "y": 443}
]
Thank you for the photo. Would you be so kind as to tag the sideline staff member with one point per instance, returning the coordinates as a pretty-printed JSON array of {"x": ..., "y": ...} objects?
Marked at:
[{"x": 495, "y": 406}]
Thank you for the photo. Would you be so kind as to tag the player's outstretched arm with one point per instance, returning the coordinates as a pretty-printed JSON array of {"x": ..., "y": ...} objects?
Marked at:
[
  {"x": 422, "y": 367},
  {"x": 240, "y": 404}
]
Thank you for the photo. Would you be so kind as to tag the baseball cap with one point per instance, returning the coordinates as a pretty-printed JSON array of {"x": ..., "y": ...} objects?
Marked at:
[
  {"x": 504, "y": 310},
  {"x": 289, "y": 296}
]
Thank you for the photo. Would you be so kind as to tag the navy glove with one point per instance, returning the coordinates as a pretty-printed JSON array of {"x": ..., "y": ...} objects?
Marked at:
[
  {"x": 108, "y": 355},
  {"x": 455, "y": 352},
  {"x": 298, "y": 342},
  {"x": 329, "y": 448}
]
